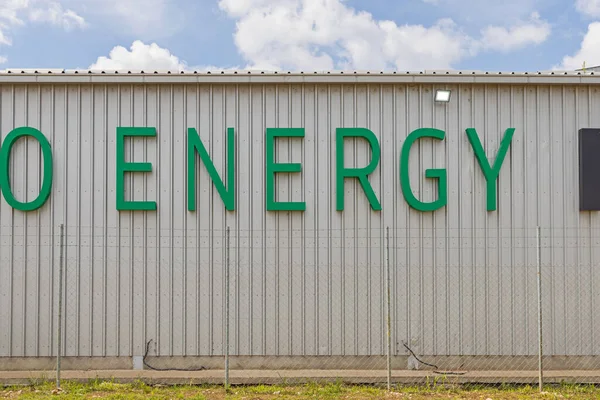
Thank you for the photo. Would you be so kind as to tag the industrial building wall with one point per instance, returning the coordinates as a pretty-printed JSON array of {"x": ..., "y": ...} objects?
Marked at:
[{"x": 463, "y": 279}]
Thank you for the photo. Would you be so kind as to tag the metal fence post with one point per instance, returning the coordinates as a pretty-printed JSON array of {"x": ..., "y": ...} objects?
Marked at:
[
  {"x": 227, "y": 246},
  {"x": 60, "y": 296},
  {"x": 539, "y": 286},
  {"x": 389, "y": 323}
]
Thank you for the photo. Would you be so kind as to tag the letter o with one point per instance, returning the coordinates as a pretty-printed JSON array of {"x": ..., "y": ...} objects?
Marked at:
[{"x": 5, "y": 185}]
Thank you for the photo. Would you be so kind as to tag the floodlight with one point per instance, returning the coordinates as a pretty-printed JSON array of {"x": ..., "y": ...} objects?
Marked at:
[{"x": 442, "y": 96}]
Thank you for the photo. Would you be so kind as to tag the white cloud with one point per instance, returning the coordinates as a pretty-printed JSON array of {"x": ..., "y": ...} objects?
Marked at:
[
  {"x": 327, "y": 34},
  {"x": 146, "y": 57},
  {"x": 4, "y": 39},
  {"x": 534, "y": 31},
  {"x": 589, "y": 52},
  {"x": 15, "y": 13},
  {"x": 238, "y": 8},
  {"x": 9, "y": 10},
  {"x": 3, "y": 60},
  {"x": 588, "y": 7},
  {"x": 150, "y": 19},
  {"x": 141, "y": 56},
  {"x": 56, "y": 15}
]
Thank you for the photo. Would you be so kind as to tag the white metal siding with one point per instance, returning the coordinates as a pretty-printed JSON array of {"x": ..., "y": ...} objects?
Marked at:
[{"x": 312, "y": 283}]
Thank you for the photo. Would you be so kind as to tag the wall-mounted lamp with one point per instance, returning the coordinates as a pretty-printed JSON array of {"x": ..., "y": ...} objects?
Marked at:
[{"x": 442, "y": 96}]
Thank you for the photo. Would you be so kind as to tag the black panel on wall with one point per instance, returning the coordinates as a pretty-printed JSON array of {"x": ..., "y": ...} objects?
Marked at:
[{"x": 589, "y": 169}]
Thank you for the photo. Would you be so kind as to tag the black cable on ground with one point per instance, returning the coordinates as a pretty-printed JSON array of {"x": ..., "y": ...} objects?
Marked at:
[
  {"x": 436, "y": 369},
  {"x": 417, "y": 358},
  {"x": 201, "y": 368}
]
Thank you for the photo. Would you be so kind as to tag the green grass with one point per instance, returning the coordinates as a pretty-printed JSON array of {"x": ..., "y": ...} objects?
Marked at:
[{"x": 434, "y": 390}]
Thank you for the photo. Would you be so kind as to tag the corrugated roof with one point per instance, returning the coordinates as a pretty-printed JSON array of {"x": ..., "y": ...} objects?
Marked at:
[{"x": 41, "y": 75}]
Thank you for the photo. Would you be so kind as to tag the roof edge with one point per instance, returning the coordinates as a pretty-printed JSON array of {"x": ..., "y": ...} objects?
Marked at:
[{"x": 248, "y": 76}]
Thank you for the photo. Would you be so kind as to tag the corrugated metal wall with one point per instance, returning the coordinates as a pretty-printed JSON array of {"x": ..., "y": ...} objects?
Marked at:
[{"x": 463, "y": 279}]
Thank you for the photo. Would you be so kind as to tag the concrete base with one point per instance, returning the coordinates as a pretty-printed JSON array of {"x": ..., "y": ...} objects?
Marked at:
[
  {"x": 138, "y": 363},
  {"x": 447, "y": 363},
  {"x": 290, "y": 377}
]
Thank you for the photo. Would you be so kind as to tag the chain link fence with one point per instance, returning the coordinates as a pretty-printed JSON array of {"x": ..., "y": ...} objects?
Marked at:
[{"x": 366, "y": 305}]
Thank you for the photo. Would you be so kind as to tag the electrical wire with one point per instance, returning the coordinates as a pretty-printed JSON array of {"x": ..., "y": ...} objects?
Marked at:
[
  {"x": 436, "y": 369},
  {"x": 417, "y": 358},
  {"x": 201, "y": 368}
]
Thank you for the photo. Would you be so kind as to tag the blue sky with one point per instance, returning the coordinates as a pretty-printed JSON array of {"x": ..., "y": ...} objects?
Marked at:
[{"x": 516, "y": 35}]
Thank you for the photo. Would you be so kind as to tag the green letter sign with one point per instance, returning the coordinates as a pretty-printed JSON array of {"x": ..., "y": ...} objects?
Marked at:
[
  {"x": 195, "y": 144},
  {"x": 360, "y": 173},
  {"x": 5, "y": 185},
  {"x": 272, "y": 168},
  {"x": 490, "y": 173},
  {"x": 123, "y": 167},
  {"x": 439, "y": 174}
]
